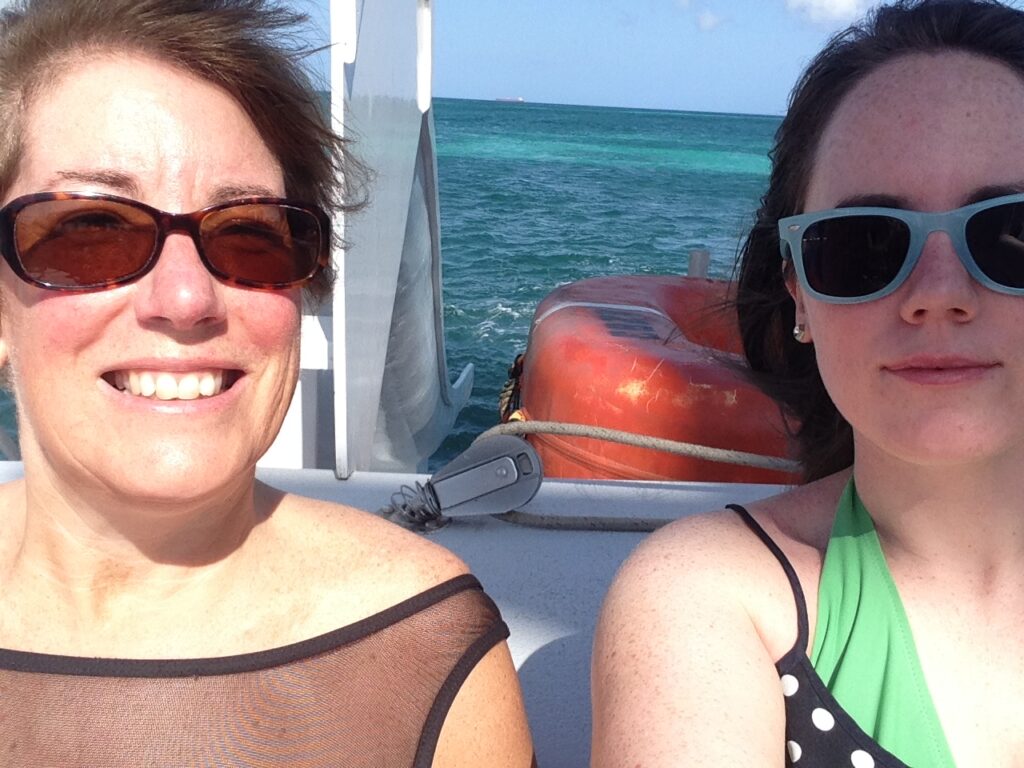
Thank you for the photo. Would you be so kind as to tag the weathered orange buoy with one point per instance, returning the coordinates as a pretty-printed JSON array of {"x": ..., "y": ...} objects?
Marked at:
[{"x": 653, "y": 355}]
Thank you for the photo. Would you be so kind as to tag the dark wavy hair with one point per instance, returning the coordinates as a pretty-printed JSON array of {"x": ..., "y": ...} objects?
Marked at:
[
  {"x": 783, "y": 368},
  {"x": 250, "y": 48}
]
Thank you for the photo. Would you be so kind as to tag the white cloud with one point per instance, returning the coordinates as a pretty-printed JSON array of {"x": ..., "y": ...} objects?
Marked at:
[
  {"x": 830, "y": 10},
  {"x": 706, "y": 21}
]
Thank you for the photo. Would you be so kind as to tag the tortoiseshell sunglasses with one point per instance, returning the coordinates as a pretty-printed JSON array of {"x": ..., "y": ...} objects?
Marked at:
[{"x": 79, "y": 241}]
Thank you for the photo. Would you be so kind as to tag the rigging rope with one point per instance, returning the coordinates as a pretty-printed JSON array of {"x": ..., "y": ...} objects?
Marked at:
[
  {"x": 692, "y": 450},
  {"x": 417, "y": 507}
]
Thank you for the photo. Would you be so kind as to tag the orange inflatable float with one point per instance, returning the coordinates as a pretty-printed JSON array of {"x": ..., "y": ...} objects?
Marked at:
[{"x": 653, "y": 355}]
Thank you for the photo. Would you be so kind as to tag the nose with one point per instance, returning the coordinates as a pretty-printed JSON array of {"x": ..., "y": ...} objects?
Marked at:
[
  {"x": 179, "y": 292},
  {"x": 939, "y": 286}
]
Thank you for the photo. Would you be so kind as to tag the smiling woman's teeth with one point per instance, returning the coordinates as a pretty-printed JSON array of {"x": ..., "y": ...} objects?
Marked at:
[{"x": 161, "y": 385}]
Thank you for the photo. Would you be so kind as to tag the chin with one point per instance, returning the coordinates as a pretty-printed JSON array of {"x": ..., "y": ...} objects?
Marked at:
[
  {"x": 952, "y": 444},
  {"x": 179, "y": 473}
]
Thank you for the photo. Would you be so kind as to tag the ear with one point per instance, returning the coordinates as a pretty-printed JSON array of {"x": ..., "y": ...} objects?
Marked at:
[{"x": 796, "y": 292}]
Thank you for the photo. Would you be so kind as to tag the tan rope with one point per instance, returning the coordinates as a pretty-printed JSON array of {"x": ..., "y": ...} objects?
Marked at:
[{"x": 693, "y": 450}]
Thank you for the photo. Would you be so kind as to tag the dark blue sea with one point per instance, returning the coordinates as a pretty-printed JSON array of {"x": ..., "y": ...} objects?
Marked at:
[{"x": 537, "y": 195}]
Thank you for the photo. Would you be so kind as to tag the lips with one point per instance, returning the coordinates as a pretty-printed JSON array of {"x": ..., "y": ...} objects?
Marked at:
[
  {"x": 172, "y": 385},
  {"x": 941, "y": 369}
]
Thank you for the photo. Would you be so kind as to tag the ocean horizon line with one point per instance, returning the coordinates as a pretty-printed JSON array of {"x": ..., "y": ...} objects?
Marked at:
[{"x": 514, "y": 102}]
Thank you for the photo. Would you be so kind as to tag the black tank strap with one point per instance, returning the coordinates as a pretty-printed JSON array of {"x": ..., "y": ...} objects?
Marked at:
[{"x": 794, "y": 582}]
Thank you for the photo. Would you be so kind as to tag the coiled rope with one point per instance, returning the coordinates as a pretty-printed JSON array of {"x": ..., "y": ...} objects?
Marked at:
[{"x": 415, "y": 507}]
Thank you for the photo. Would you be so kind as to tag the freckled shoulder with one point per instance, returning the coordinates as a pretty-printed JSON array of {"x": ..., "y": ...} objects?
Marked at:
[
  {"x": 355, "y": 562},
  {"x": 689, "y": 633},
  {"x": 713, "y": 557},
  {"x": 718, "y": 553}
]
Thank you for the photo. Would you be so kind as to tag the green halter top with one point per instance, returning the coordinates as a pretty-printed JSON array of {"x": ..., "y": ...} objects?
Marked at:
[{"x": 863, "y": 648}]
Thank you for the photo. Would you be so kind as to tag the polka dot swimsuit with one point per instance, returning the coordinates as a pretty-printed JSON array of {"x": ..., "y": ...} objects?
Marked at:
[{"x": 819, "y": 733}]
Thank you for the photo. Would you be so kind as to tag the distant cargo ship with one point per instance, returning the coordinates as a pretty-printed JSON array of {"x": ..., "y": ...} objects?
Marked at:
[{"x": 511, "y": 99}]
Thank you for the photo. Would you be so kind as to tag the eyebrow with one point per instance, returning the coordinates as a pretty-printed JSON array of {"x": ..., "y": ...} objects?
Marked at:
[
  {"x": 872, "y": 200},
  {"x": 996, "y": 190},
  {"x": 127, "y": 185},
  {"x": 229, "y": 192},
  {"x": 122, "y": 182}
]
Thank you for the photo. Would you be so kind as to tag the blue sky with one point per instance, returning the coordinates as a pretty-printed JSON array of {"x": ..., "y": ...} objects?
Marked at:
[
  {"x": 706, "y": 55},
  {"x": 709, "y": 55}
]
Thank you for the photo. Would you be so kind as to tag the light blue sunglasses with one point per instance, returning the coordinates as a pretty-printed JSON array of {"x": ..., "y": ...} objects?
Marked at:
[{"x": 852, "y": 255}]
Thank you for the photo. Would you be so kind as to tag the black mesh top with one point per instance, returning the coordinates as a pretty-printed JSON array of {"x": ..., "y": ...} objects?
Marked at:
[{"x": 374, "y": 693}]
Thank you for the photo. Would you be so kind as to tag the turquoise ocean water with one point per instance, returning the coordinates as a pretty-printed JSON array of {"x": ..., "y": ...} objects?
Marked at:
[{"x": 536, "y": 195}]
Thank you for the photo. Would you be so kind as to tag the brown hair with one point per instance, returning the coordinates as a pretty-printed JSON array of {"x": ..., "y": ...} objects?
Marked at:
[
  {"x": 250, "y": 48},
  {"x": 785, "y": 369}
]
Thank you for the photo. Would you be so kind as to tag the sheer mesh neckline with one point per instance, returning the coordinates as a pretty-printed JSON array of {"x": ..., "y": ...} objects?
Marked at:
[
  {"x": 58, "y": 664},
  {"x": 374, "y": 694}
]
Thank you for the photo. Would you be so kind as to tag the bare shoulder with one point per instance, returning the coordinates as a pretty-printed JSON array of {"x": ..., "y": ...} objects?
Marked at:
[
  {"x": 722, "y": 545},
  {"x": 349, "y": 563},
  {"x": 711, "y": 560},
  {"x": 486, "y": 724},
  {"x": 690, "y": 632},
  {"x": 718, "y": 557}
]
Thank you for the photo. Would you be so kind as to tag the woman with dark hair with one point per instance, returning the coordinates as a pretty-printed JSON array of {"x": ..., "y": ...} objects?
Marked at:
[
  {"x": 166, "y": 178},
  {"x": 874, "y": 615}
]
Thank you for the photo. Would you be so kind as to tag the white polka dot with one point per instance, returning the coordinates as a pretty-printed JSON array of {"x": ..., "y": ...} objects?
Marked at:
[
  {"x": 823, "y": 719},
  {"x": 861, "y": 759},
  {"x": 795, "y": 752},
  {"x": 790, "y": 685}
]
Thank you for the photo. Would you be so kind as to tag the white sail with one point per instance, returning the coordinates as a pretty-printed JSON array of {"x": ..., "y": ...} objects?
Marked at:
[{"x": 375, "y": 392}]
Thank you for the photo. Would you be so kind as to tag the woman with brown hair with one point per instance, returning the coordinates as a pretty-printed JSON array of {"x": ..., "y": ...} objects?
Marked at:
[
  {"x": 166, "y": 179},
  {"x": 872, "y": 616}
]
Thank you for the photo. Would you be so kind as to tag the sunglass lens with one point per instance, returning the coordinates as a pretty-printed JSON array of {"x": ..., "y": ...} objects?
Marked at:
[
  {"x": 995, "y": 237},
  {"x": 854, "y": 256},
  {"x": 82, "y": 243},
  {"x": 263, "y": 244}
]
